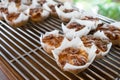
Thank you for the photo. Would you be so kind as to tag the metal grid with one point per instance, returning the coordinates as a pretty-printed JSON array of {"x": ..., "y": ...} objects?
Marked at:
[{"x": 20, "y": 47}]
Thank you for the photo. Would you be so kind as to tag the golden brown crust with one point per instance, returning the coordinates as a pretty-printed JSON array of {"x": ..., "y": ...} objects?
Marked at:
[
  {"x": 73, "y": 56},
  {"x": 89, "y": 18},
  {"x": 53, "y": 40},
  {"x": 19, "y": 24},
  {"x": 4, "y": 10},
  {"x": 111, "y": 32},
  {"x": 68, "y": 10},
  {"x": 12, "y": 16},
  {"x": 16, "y": 1},
  {"x": 87, "y": 40},
  {"x": 76, "y": 26},
  {"x": 48, "y": 48},
  {"x": 35, "y": 14},
  {"x": 101, "y": 44},
  {"x": 64, "y": 19}
]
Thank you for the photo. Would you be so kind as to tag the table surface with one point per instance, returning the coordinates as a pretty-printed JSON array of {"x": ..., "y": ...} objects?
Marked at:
[{"x": 6, "y": 71}]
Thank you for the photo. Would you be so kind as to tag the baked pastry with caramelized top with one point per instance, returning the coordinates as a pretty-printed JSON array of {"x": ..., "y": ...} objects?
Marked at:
[
  {"x": 90, "y": 16},
  {"x": 50, "y": 6},
  {"x": 16, "y": 19},
  {"x": 101, "y": 42},
  {"x": 72, "y": 56},
  {"x": 13, "y": 17},
  {"x": 66, "y": 12},
  {"x": 51, "y": 40},
  {"x": 77, "y": 28},
  {"x": 112, "y": 31},
  {"x": 38, "y": 14}
]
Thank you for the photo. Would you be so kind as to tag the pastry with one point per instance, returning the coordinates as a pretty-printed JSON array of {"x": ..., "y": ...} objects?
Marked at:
[
  {"x": 38, "y": 14},
  {"x": 72, "y": 56},
  {"x": 90, "y": 16},
  {"x": 50, "y": 6},
  {"x": 77, "y": 28},
  {"x": 101, "y": 42},
  {"x": 66, "y": 12},
  {"x": 14, "y": 17},
  {"x": 51, "y": 40},
  {"x": 112, "y": 31}
]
